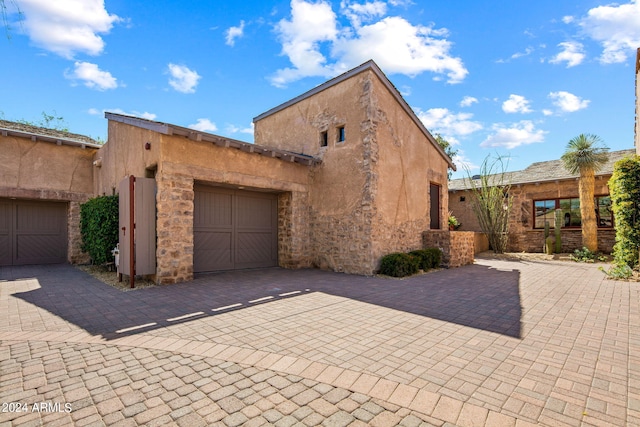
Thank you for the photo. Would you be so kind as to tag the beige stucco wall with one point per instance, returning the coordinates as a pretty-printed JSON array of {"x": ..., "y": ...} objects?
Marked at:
[
  {"x": 369, "y": 196},
  {"x": 40, "y": 165},
  {"x": 40, "y": 170},
  {"x": 124, "y": 154},
  {"x": 340, "y": 193},
  {"x": 404, "y": 164},
  {"x": 522, "y": 235}
]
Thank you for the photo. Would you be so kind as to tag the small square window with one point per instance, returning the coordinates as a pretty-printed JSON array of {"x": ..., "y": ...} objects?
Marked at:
[
  {"x": 341, "y": 134},
  {"x": 324, "y": 140},
  {"x": 462, "y": 198}
]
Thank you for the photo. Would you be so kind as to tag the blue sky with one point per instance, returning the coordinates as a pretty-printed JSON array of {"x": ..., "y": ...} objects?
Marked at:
[{"x": 512, "y": 78}]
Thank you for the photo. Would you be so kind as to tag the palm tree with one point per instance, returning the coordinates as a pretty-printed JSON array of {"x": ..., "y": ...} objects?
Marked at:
[{"x": 585, "y": 155}]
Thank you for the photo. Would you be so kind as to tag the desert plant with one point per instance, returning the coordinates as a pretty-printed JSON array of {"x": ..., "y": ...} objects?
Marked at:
[
  {"x": 399, "y": 265},
  {"x": 429, "y": 258},
  {"x": 557, "y": 229},
  {"x": 586, "y": 255},
  {"x": 491, "y": 202},
  {"x": 585, "y": 155},
  {"x": 99, "y": 228},
  {"x": 625, "y": 200},
  {"x": 618, "y": 271}
]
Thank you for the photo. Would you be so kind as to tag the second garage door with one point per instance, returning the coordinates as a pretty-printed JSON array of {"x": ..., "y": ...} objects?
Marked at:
[
  {"x": 32, "y": 232},
  {"x": 234, "y": 229}
]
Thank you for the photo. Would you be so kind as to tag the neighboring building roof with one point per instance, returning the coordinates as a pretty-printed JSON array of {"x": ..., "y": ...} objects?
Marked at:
[
  {"x": 552, "y": 170},
  {"x": 37, "y": 133},
  {"x": 196, "y": 135},
  {"x": 369, "y": 65}
]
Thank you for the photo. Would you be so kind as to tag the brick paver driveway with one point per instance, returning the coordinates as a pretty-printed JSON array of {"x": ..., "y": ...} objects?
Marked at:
[{"x": 498, "y": 343}]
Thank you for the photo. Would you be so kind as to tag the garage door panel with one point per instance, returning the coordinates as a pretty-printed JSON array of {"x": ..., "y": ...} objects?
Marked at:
[
  {"x": 39, "y": 249},
  {"x": 212, "y": 251},
  {"x": 255, "y": 250},
  {"x": 6, "y": 254},
  {"x": 234, "y": 229},
  {"x": 32, "y": 232},
  {"x": 254, "y": 213}
]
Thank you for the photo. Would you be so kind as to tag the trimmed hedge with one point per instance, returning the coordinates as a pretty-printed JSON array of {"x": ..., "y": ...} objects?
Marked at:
[
  {"x": 99, "y": 228},
  {"x": 625, "y": 195},
  {"x": 399, "y": 265},
  {"x": 429, "y": 258}
]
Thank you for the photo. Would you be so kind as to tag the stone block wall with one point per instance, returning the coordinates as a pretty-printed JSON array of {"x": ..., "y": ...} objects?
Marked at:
[
  {"x": 458, "y": 247},
  {"x": 74, "y": 251},
  {"x": 293, "y": 230},
  {"x": 533, "y": 240},
  {"x": 174, "y": 228}
]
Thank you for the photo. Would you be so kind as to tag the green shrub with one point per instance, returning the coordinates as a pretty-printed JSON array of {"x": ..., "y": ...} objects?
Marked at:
[
  {"x": 99, "y": 228},
  {"x": 585, "y": 255},
  {"x": 618, "y": 271},
  {"x": 399, "y": 265},
  {"x": 429, "y": 258},
  {"x": 625, "y": 194}
]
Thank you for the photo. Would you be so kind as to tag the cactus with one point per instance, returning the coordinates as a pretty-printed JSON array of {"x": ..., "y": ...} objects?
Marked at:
[{"x": 557, "y": 229}]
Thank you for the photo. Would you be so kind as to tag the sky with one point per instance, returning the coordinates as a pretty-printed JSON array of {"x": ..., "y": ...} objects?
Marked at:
[{"x": 494, "y": 78}]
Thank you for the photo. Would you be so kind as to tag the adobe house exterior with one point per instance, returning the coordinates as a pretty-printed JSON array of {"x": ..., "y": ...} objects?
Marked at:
[
  {"x": 536, "y": 192},
  {"x": 337, "y": 178},
  {"x": 44, "y": 177}
]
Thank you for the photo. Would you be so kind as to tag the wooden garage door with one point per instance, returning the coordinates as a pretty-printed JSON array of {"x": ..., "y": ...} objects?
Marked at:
[
  {"x": 32, "y": 232},
  {"x": 234, "y": 229}
]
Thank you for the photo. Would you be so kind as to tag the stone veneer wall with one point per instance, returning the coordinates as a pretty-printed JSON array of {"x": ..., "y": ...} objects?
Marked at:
[
  {"x": 174, "y": 228},
  {"x": 457, "y": 246},
  {"x": 342, "y": 246},
  {"x": 74, "y": 251},
  {"x": 533, "y": 240},
  {"x": 293, "y": 230}
]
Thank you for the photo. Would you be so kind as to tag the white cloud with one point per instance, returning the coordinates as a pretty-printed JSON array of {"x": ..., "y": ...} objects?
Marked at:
[
  {"x": 145, "y": 115},
  {"x": 396, "y": 45},
  {"x": 92, "y": 76},
  {"x": 93, "y": 111},
  {"x": 616, "y": 27},
  {"x": 528, "y": 51},
  {"x": 204, "y": 125},
  {"x": 568, "y": 19},
  {"x": 516, "y": 104},
  {"x": 547, "y": 112},
  {"x": 183, "y": 79},
  {"x": 572, "y": 53},
  {"x": 514, "y": 135},
  {"x": 568, "y": 102},
  {"x": 310, "y": 24},
  {"x": 235, "y": 129},
  {"x": 233, "y": 33},
  {"x": 66, "y": 27},
  {"x": 367, "y": 12},
  {"x": 447, "y": 123},
  {"x": 467, "y": 101},
  {"x": 463, "y": 162}
]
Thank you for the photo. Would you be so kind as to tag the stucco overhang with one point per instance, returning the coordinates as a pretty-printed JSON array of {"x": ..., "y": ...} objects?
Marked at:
[
  {"x": 372, "y": 66},
  {"x": 38, "y": 134},
  {"x": 195, "y": 135}
]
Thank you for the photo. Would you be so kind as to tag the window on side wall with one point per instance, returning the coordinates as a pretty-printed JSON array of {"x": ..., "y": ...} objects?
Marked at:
[
  {"x": 324, "y": 139},
  {"x": 544, "y": 211},
  {"x": 341, "y": 137}
]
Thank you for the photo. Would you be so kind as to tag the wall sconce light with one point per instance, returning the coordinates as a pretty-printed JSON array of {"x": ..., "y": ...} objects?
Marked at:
[{"x": 147, "y": 146}]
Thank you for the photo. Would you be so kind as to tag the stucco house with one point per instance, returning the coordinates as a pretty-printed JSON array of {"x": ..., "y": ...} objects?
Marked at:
[
  {"x": 337, "y": 177},
  {"x": 44, "y": 177},
  {"x": 536, "y": 193}
]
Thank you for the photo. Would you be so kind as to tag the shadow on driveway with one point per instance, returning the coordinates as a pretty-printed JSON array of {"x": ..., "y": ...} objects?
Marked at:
[{"x": 476, "y": 296}]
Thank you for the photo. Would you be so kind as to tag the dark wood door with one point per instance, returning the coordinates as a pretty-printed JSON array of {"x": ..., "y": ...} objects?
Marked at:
[
  {"x": 434, "y": 195},
  {"x": 234, "y": 229}
]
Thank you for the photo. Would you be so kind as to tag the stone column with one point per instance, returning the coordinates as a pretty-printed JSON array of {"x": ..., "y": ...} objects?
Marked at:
[
  {"x": 74, "y": 243},
  {"x": 175, "y": 228},
  {"x": 293, "y": 230}
]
